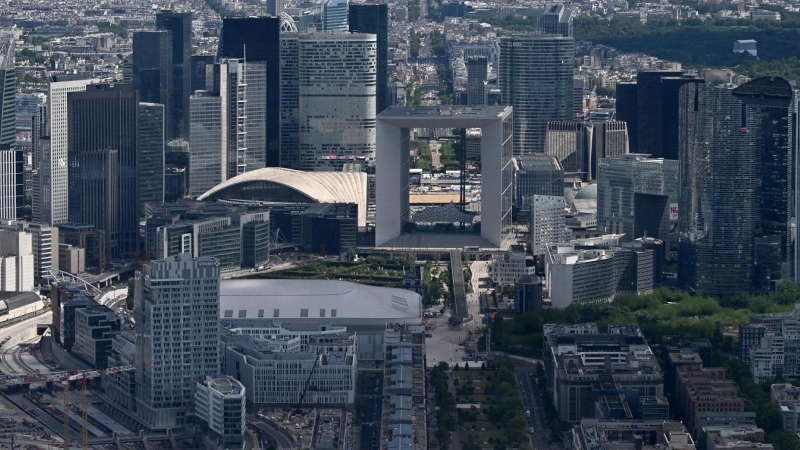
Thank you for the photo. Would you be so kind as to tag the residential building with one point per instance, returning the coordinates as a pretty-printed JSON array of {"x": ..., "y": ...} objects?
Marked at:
[
  {"x": 337, "y": 92},
  {"x": 786, "y": 397},
  {"x": 770, "y": 344},
  {"x": 374, "y": 19},
  {"x": 536, "y": 78},
  {"x": 579, "y": 366},
  {"x": 547, "y": 223},
  {"x": 219, "y": 405},
  {"x": 734, "y": 210},
  {"x": 507, "y": 268},
  {"x": 404, "y": 387},
  {"x": 101, "y": 143},
  {"x": 646, "y": 434},
  {"x": 177, "y": 314},
  {"x": 735, "y": 439},
  {"x": 705, "y": 396},
  {"x": 636, "y": 181},
  {"x": 95, "y": 328},
  {"x": 16, "y": 261}
]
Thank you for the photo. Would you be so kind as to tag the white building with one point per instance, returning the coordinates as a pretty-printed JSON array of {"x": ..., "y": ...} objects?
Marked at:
[
  {"x": 177, "y": 322},
  {"x": 548, "y": 224},
  {"x": 507, "y": 268},
  {"x": 219, "y": 405},
  {"x": 44, "y": 240},
  {"x": 307, "y": 307},
  {"x": 52, "y": 189},
  {"x": 326, "y": 372},
  {"x": 16, "y": 261},
  {"x": 337, "y": 88},
  {"x": 766, "y": 358}
]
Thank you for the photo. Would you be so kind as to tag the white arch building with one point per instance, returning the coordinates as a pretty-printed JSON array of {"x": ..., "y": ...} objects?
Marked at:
[{"x": 393, "y": 163}]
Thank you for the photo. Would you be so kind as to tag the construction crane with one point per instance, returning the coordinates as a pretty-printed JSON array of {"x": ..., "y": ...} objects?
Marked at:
[{"x": 65, "y": 378}]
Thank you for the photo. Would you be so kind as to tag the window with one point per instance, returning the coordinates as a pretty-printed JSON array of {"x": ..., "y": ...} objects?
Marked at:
[
  {"x": 333, "y": 313},
  {"x": 276, "y": 313},
  {"x": 304, "y": 312},
  {"x": 260, "y": 313},
  {"x": 242, "y": 313},
  {"x": 322, "y": 313},
  {"x": 228, "y": 313}
]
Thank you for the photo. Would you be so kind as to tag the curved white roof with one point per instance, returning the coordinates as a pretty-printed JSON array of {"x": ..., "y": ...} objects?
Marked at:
[
  {"x": 323, "y": 187},
  {"x": 316, "y": 300}
]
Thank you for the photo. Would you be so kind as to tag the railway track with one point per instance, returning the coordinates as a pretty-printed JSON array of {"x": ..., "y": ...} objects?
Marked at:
[{"x": 17, "y": 354}]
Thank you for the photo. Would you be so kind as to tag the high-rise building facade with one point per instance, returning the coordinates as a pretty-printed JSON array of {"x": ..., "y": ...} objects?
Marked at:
[
  {"x": 571, "y": 143},
  {"x": 374, "y": 19},
  {"x": 547, "y": 222},
  {"x": 51, "y": 201},
  {"x": 207, "y": 143},
  {"x": 257, "y": 39},
  {"x": 628, "y": 111},
  {"x": 557, "y": 19},
  {"x": 650, "y": 124},
  {"x": 337, "y": 77},
  {"x": 621, "y": 180},
  {"x": 242, "y": 87},
  {"x": 150, "y": 154},
  {"x": 12, "y": 187},
  {"x": 610, "y": 141},
  {"x": 670, "y": 114},
  {"x": 179, "y": 25},
  {"x": 536, "y": 78},
  {"x": 152, "y": 71},
  {"x": 101, "y": 143},
  {"x": 290, "y": 101},
  {"x": 176, "y": 308},
  {"x": 537, "y": 175},
  {"x": 734, "y": 210},
  {"x": 477, "y": 74},
  {"x": 334, "y": 15}
]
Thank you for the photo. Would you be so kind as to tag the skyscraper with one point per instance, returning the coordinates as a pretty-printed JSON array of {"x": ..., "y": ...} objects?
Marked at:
[
  {"x": 242, "y": 87},
  {"x": 207, "y": 143},
  {"x": 153, "y": 73},
  {"x": 571, "y": 143},
  {"x": 670, "y": 113},
  {"x": 180, "y": 27},
  {"x": 610, "y": 141},
  {"x": 651, "y": 128},
  {"x": 290, "y": 101},
  {"x": 477, "y": 74},
  {"x": 337, "y": 77},
  {"x": 736, "y": 172},
  {"x": 257, "y": 39},
  {"x": 101, "y": 148},
  {"x": 176, "y": 308},
  {"x": 557, "y": 19},
  {"x": 150, "y": 154},
  {"x": 12, "y": 187},
  {"x": 52, "y": 181},
  {"x": 628, "y": 112},
  {"x": 374, "y": 19},
  {"x": 274, "y": 8},
  {"x": 334, "y": 15},
  {"x": 536, "y": 78}
]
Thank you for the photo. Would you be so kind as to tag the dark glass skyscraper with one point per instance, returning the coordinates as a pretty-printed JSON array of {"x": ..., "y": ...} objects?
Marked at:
[
  {"x": 180, "y": 27},
  {"x": 628, "y": 112},
  {"x": 670, "y": 114},
  {"x": 650, "y": 124},
  {"x": 153, "y": 73},
  {"x": 257, "y": 39},
  {"x": 101, "y": 149},
  {"x": 373, "y": 19},
  {"x": 150, "y": 154},
  {"x": 736, "y": 170}
]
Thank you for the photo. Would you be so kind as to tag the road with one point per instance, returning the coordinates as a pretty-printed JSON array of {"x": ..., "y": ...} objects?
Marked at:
[
  {"x": 279, "y": 437},
  {"x": 532, "y": 401}
]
